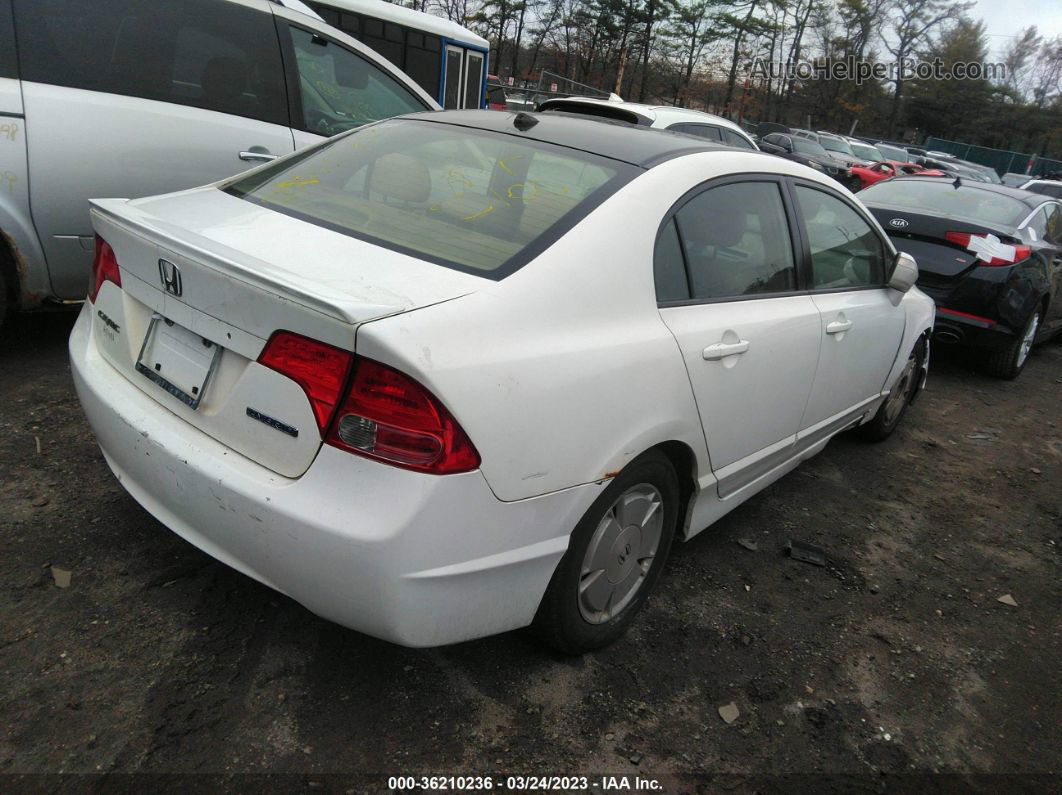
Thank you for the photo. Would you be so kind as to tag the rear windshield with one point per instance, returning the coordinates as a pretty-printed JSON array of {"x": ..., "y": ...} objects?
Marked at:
[
  {"x": 941, "y": 197},
  {"x": 476, "y": 201}
]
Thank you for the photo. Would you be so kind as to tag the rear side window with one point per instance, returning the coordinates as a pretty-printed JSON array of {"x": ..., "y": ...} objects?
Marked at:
[
  {"x": 698, "y": 130},
  {"x": 736, "y": 240},
  {"x": 845, "y": 251},
  {"x": 217, "y": 56},
  {"x": 8, "y": 59},
  {"x": 733, "y": 139},
  {"x": 472, "y": 200},
  {"x": 1053, "y": 189},
  {"x": 1048, "y": 223},
  {"x": 341, "y": 90},
  {"x": 669, "y": 268}
]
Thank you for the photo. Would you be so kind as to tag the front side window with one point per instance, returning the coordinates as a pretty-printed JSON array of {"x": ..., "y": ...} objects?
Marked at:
[
  {"x": 737, "y": 241},
  {"x": 846, "y": 252},
  {"x": 218, "y": 56},
  {"x": 475, "y": 201},
  {"x": 341, "y": 90}
]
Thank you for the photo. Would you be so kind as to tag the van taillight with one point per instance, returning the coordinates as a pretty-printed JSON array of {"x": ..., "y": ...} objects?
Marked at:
[
  {"x": 320, "y": 369},
  {"x": 390, "y": 417},
  {"x": 104, "y": 268},
  {"x": 965, "y": 239}
]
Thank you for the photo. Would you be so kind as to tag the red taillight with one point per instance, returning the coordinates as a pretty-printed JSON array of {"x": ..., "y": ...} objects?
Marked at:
[
  {"x": 104, "y": 268},
  {"x": 964, "y": 239},
  {"x": 390, "y": 417},
  {"x": 320, "y": 369}
]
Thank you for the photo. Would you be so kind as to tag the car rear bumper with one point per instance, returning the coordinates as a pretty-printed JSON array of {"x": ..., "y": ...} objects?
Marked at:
[
  {"x": 954, "y": 327},
  {"x": 415, "y": 559}
]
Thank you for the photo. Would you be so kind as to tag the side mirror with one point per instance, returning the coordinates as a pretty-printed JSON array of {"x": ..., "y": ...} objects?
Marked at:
[{"x": 904, "y": 272}]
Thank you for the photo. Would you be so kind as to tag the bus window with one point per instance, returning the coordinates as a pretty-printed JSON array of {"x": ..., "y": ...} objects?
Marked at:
[
  {"x": 452, "y": 90},
  {"x": 422, "y": 60},
  {"x": 389, "y": 45},
  {"x": 473, "y": 80}
]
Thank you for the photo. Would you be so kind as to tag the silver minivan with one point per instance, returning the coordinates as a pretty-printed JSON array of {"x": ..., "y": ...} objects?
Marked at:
[{"x": 130, "y": 98}]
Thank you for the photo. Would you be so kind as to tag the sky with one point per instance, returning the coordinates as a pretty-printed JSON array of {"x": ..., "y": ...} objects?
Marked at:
[{"x": 1004, "y": 18}]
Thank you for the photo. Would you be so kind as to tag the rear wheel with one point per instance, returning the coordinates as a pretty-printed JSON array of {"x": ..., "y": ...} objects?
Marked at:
[
  {"x": 1010, "y": 361},
  {"x": 895, "y": 406},
  {"x": 614, "y": 559}
]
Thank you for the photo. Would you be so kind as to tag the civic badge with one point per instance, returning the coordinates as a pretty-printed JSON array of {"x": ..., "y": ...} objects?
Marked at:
[{"x": 171, "y": 277}]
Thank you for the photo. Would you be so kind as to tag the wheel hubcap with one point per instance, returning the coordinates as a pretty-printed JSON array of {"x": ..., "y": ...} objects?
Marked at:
[
  {"x": 1027, "y": 340},
  {"x": 901, "y": 392},
  {"x": 620, "y": 553}
]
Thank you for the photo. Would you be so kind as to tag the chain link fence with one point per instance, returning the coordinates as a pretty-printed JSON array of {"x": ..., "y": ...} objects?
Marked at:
[{"x": 1002, "y": 160}]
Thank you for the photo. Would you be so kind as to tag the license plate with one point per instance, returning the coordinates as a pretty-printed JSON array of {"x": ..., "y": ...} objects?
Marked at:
[{"x": 178, "y": 360}]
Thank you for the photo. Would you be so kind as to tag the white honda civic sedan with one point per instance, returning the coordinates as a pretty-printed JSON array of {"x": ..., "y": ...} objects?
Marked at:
[{"x": 457, "y": 373}]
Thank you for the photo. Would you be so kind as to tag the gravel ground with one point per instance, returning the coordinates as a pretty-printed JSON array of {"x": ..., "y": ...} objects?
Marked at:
[{"x": 893, "y": 661}]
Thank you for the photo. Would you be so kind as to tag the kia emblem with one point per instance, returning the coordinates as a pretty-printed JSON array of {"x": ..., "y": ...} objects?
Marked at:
[{"x": 899, "y": 223}]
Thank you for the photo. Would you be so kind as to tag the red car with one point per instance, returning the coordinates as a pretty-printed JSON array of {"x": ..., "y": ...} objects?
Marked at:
[{"x": 886, "y": 169}]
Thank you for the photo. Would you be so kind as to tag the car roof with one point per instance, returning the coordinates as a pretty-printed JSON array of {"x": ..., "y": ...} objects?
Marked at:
[
  {"x": 648, "y": 112},
  {"x": 1032, "y": 200},
  {"x": 644, "y": 147}
]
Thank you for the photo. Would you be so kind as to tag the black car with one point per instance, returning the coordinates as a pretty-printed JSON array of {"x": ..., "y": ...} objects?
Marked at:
[
  {"x": 801, "y": 150},
  {"x": 988, "y": 255}
]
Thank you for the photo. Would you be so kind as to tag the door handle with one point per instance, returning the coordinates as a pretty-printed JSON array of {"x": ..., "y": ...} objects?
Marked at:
[
  {"x": 721, "y": 350},
  {"x": 259, "y": 156},
  {"x": 837, "y": 326}
]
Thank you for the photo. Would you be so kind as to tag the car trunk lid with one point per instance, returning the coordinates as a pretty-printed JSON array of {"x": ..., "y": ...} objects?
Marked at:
[
  {"x": 208, "y": 278},
  {"x": 941, "y": 262}
]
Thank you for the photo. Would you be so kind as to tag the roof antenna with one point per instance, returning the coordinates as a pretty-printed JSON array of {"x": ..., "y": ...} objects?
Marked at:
[
  {"x": 957, "y": 183},
  {"x": 524, "y": 121}
]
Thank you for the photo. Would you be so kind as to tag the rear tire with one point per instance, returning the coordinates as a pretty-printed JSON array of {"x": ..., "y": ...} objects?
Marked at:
[
  {"x": 889, "y": 413},
  {"x": 1010, "y": 361},
  {"x": 614, "y": 558}
]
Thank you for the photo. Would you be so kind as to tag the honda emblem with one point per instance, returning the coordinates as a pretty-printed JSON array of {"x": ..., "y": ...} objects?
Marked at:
[{"x": 171, "y": 277}]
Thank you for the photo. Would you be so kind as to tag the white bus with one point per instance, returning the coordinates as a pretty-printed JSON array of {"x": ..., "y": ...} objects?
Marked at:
[{"x": 445, "y": 59}]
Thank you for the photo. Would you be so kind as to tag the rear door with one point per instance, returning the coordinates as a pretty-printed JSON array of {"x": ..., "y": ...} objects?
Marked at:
[
  {"x": 860, "y": 325},
  {"x": 131, "y": 99},
  {"x": 727, "y": 287}
]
